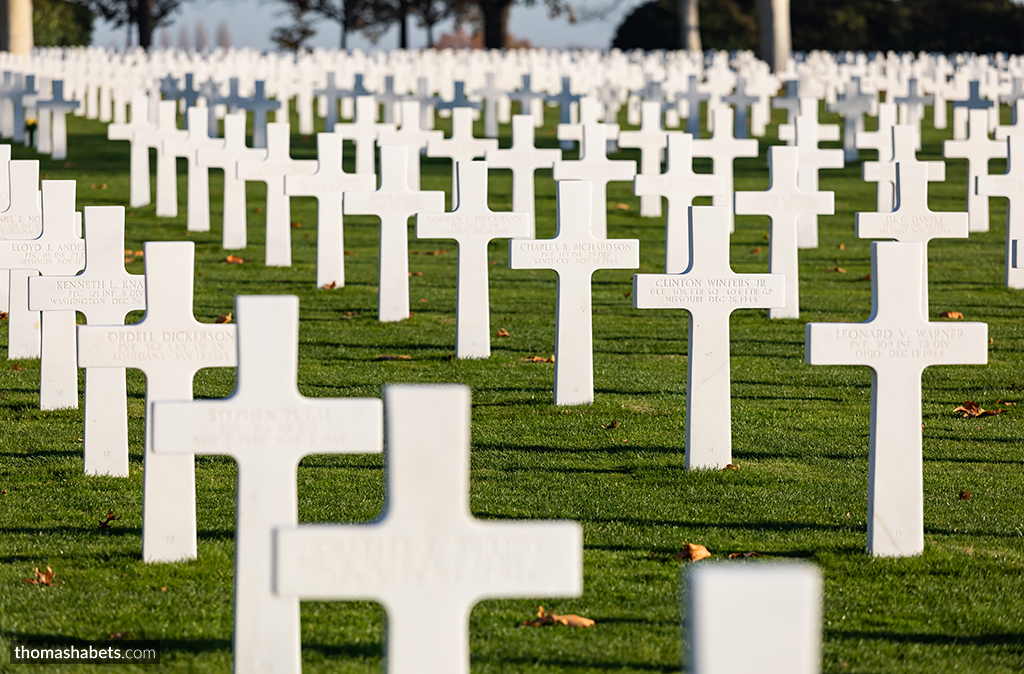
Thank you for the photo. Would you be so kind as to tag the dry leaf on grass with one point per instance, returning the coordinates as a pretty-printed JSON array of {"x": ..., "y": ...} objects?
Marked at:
[
  {"x": 613, "y": 424},
  {"x": 972, "y": 410},
  {"x": 744, "y": 555},
  {"x": 692, "y": 552},
  {"x": 349, "y": 252},
  {"x": 548, "y": 618},
  {"x": 105, "y": 523},
  {"x": 296, "y": 225},
  {"x": 730, "y": 466},
  {"x": 44, "y": 578},
  {"x": 382, "y": 357},
  {"x": 627, "y": 293},
  {"x": 756, "y": 251},
  {"x": 234, "y": 259},
  {"x": 839, "y": 270},
  {"x": 224, "y": 319},
  {"x": 866, "y": 277},
  {"x": 841, "y": 246},
  {"x": 415, "y": 273},
  {"x": 965, "y": 495},
  {"x": 330, "y": 286},
  {"x": 622, "y": 207},
  {"x": 17, "y": 367},
  {"x": 951, "y": 314},
  {"x": 502, "y": 333},
  {"x": 539, "y": 359},
  {"x": 4, "y": 315}
]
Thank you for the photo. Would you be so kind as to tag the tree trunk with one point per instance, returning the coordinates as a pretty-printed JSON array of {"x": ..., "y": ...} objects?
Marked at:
[
  {"x": 19, "y": 26},
  {"x": 344, "y": 33},
  {"x": 689, "y": 25},
  {"x": 430, "y": 36},
  {"x": 495, "y": 22},
  {"x": 145, "y": 19},
  {"x": 776, "y": 38}
]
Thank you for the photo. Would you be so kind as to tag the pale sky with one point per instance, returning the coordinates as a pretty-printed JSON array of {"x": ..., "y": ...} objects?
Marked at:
[{"x": 251, "y": 22}]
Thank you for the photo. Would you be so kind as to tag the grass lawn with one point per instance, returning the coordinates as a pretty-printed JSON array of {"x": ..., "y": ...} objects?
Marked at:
[{"x": 800, "y": 438}]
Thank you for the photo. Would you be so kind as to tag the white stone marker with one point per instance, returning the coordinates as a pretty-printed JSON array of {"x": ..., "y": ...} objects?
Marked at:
[
  {"x": 810, "y": 160},
  {"x": 138, "y": 167},
  {"x": 974, "y": 101},
  {"x": 228, "y": 157},
  {"x": 473, "y": 225},
  {"x": 881, "y": 141},
  {"x": 195, "y": 141},
  {"x": 740, "y": 100},
  {"x": 710, "y": 290},
  {"x": 651, "y": 140},
  {"x": 394, "y": 203},
  {"x": 594, "y": 167},
  {"x": 413, "y": 137},
  {"x": 22, "y": 220},
  {"x": 784, "y": 202},
  {"x": 462, "y": 147},
  {"x": 575, "y": 253},
  {"x": 1011, "y": 186},
  {"x": 169, "y": 345},
  {"x": 760, "y": 617},
  {"x": 267, "y": 427},
  {"x": 105, "y": 293},
  {"x": 328, "y": 185},
  {"x": 724, "y": 149},
  {"x": 853, "y": 105},
  {"x": 363, "y": 131},
  {"x": 57, "y": 251},
  {"x": 897, "y": 342},
  {"x": 913, "y": 220},
  {"x": 524, "y": 159},
  {"x": 58, "y": 107},
  {"x": 679, "y": 184},
  {"x": 163, "y": 134},
  {"x": 428, "y": 560},
  {"x": 884, "y": 171},
  {"x": 977, "y": 149},
  {"x": 272, "y": 170}
]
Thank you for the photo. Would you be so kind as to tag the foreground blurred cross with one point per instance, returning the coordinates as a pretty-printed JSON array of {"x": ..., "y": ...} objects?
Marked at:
[
  {"x": 575, "y": 253},
  {"x": 710, "y": 290},
  {"x": 105, "y": 293},
  {"x": 267, "y": 426},
  {"x": 169, "y": 345},
  {"x": 897, "y": 342},
  {"x": 428, "y": 560}
]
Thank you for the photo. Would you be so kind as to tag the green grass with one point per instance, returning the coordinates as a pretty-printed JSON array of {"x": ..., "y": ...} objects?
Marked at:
[{"x": 799, "y": 437}]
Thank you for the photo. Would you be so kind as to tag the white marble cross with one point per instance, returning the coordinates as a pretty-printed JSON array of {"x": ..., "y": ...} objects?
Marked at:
[
  {"x": 459, "y": 99},
  {"x": 462, "y": 147},
  {"x": 974, "y": 101},
  {"x": 328, "y": 185},
  {"x": 693, "y": 96},
  {"x": 575, "y": 254},
  {"x": 1011, "y": 186},
  {"x": 524, "y": 159},
  {"x": 388, "y": 98},
  {"x": 784, "y": 202},
  {"x": 58, "y": 107},
  {"x": 473, "y": 225},
  {"x": 590, "y": 113},
  {"x": 651, "y": 141},
  {"x": 428, "y": 560},
  {"x": 594, "y": 166},
  {"x": 363, "y": 131},
  {"x": 565, "y": 100},
  {"x": 762, "y": 617},
  {"x": 57, "y": 251},
  {"x": 897, "y": 342},
  {"x": 977, "y": 149},
  {"x": 228, "y": 157},
  {"x": 710, "y": 290},
  {"x": 138, "y": 168},
  {"x": 105, "y": 293},
  {"x": 881, "y": 141},
  {"x": 740, "y": 100},
  {"x": 170, "y": 346},
  {"x": 410, "y": 134},
  {"x": 272, "y": 170},
  {"x": 883, "y": 171},
  {"x": 394, "y": 203},
  {"x": 195, "y": 141},
  {"x": 491, "y": 94},
  {"x": 679, "y": 185},
  {"x": 267, "y": 426},
  {"x": 811, "y": 159},
  {"x": 723, "y": 149},
  {"x": 22, "y": 220},
  {"x": 530, "y": 102},
  {"x": 853, "y": 105},
  {"x": 332, "y": 93},
  {"x": 165, "y": 133},
  {"x": 260, "y": 105}
]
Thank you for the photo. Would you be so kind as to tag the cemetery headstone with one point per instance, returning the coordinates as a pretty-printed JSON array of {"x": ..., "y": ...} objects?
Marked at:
[
  {"x": 524, "y": 159},
  {"x": 594, "y": 166},
  {"x": 978, "y": 149}
]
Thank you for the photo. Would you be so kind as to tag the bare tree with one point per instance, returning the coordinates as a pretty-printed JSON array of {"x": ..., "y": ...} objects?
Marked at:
[
  {"x": 776, "y": 36},
  {"x": 223, "y": 35},
  {"x": 184, "y": 43},
  {"x": 690, "y": 25},
  {"x": 202, "y": 37},
  {"x": 147, "y": 15}
]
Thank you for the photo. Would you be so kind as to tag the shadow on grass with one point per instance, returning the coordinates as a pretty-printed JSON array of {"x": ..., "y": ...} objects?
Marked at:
[
  {"x": 39, "y": 453},
  {"x": 1014, "y": 640},
  {"x": 523, "y": 663}
]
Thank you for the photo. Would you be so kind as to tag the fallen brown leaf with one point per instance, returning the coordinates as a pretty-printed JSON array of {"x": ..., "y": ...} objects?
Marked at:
[
  {"x": 259, "y": 209},
  {"x": 837, "y": 269},
  {"x": 613, "y": 424},
  {"x": 841, "y": 246},
  {"x": 502, "y": 333},
  {"x": 756, "y": 251},
  {"x": 539, "y": 359},
  {"x": 744, "y": 555},
  {"x": 394, "y": 357},
  {"x": 622, "y": 207},
  {"x": 352, "y": 313},
  {"x": 692, "y": 552},
  {"x": 105, "y": 523},
  {"x": 1004, "y": 402},
  {"x": 138, "y": 253},
  {"x": 972, "y": 410},
  {"x": 349, "y": 252},
  {"x": 44, "y": 578},
  {"x": 866, "y": 277},
  {"x": 951, "y": 314},
  {"x": 224, "y": 319},
  {"x": 730, "y": 466},
  {"x": 234, "y": 259},
  {"x": 423, "y": 300},
  {"x": 330, "y": 286},
  {"x": 548, "y": 618},
  {"x": 964, "y": 495},
  {"x": 4, "y": 315},
  {"x": 296, "y": 225},
  {"x": 415, "y": 273},
  {"x": 17, "y": 367},
  {"x": 627, "y": 293},
  {"x": 3, "y": 492}
]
